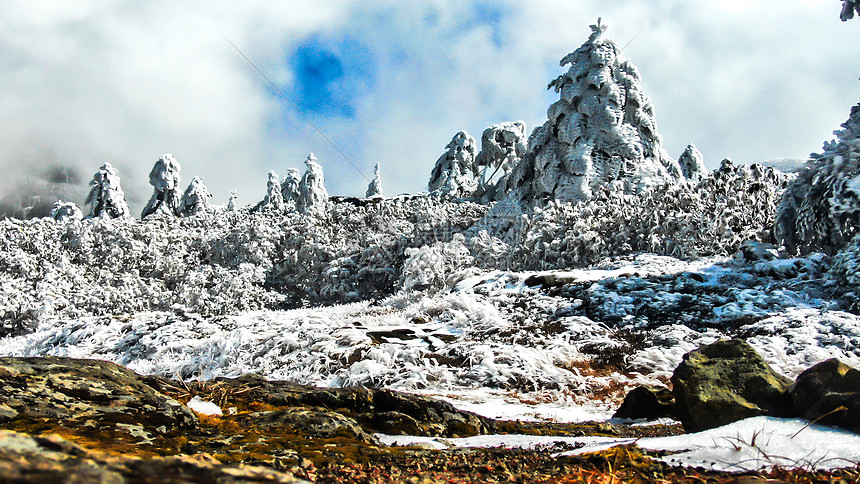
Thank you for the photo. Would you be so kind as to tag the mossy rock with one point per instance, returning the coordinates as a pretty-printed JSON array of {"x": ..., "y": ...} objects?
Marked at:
[
  {"x": 828, "y": 392},
  {"x": 724, "y": 382}
]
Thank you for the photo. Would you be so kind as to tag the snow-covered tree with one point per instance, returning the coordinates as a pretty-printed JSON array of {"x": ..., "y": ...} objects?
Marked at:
[
  {"x": 601, "y": 131},
  {"x": 502, "y": 147},
  {"x": 849, "y": 7},
  {"x": 273, "y": 199},
  {"x": 231, "y": 202},
  {"x": 692, "y": 164},
  {"x": 820, "y": 211},
  {"x": 195, "y": 199},
  {"x": 165, "y": 179},
  {"x": 374, "y": 189},
  {"x": 291, "y": 188},
  {"x": 314, "y": 197},
  {"x": 66, "y": 211},
  {"x": 455, "y": 171},
  {"x": 106, "y": 198}
]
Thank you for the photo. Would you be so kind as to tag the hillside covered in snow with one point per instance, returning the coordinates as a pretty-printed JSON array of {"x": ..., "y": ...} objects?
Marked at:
[{"x": 541, "y": 277}]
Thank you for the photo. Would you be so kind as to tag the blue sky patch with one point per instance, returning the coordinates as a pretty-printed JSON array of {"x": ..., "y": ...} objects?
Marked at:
[{"x": 330, "y": 75}]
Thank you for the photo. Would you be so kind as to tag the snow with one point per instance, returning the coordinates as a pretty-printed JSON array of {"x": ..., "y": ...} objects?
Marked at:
[
  {"x": 753, "y": 444},
  {"x": 204, "y": 407}
]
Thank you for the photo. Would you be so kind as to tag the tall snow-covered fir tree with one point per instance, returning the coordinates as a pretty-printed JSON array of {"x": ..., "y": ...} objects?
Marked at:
[
  {"x": 195, "y": 199},
  {"x": 374, "y": 188},
  {"x": 692, "y": 164},
  {"x": 601, "y": 131},
  {"x": 314, "y": 197},
  {"x": 164, "y": 177},
  {"x": 106, "y": 198},
  {"x": 820, "y": 210}
]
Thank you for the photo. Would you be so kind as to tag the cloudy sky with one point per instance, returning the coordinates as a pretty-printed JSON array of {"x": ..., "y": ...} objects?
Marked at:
[{"x": 90, "y": 81}]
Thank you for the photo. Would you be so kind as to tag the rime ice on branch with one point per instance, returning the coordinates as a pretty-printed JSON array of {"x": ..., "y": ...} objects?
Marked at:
[
  {"x": 314, "y": 197},
  {"x": 165, "y": 178},
  {"x": 601, "y": 131},
  {"x": 820, "y": 210},
  {"x": 453, "y": 175},
  {"x": 195, "y": 199},
  {"x": 374, "y": 189},
  {"x": 106, "y": 198}
]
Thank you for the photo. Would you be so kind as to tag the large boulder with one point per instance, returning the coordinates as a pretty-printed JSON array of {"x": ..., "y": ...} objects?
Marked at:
[
  {"x": 724, "y": 382},
  {"x": 86, "y": 391},
  {"x": 828, "y": 392}
]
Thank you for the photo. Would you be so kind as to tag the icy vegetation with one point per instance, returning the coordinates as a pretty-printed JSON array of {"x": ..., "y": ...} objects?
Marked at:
[{"x": 821, "y": 209}]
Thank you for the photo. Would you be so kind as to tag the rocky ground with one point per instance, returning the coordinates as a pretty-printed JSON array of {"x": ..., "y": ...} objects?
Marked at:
[{"x": 76, "y": 420}]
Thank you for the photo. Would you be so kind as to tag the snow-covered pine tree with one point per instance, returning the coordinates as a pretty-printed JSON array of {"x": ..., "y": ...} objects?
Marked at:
[
  {"x": 195, "y": 199},
  {"x": 106, "y": 198},
  {"x": 273, "y": 199},
  {"x": 374, "y": 188},
  {"x": 165, "y": 179},
  {"x": 231, "y": 202},
  {"x": 454, "y": 173},
  {"x": 692, "y": 164},
  {"x": 291, "y": 188},
  {"x": 820, "y": 210},
  {"x": 314, "y": 197},
  {"x": 601, "y": 131}
]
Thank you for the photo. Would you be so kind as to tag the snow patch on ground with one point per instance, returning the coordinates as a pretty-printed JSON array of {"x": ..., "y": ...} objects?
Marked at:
[{"x": 748, "y": 445}]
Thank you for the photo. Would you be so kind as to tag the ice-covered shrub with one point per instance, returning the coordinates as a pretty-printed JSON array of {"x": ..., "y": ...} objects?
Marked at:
[
  {"x": 820, "y": 211},
  {"x": 429, "y": 268},
  {"x": 731, "y": 205},
  {"x": 106, "y": 198},
  {"x": 66, "y": 211},
  {"x": 164, "y": 177}
]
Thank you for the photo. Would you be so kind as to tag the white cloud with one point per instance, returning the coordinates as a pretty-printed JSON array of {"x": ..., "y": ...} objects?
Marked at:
[{"x": 94, "y": 81}]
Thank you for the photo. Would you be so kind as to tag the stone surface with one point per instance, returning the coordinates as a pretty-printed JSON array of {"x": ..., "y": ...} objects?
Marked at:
[
  {"x": 86, "y": 391},
  {"x": 724, "y": 382},
  {"x": 649, "y": 402},
  {"x": 820, "y": 392}
]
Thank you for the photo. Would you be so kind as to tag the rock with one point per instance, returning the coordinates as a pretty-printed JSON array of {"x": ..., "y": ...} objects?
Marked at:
[
  {"x": 724, "y": 382},
  {"x": 318, "y": 424},
  {"x": 85, "y": 390},
  {"x": 648, "y": 402},
  {"x": 820, "y": 390},
  {"x": 37, "y": 459}
]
